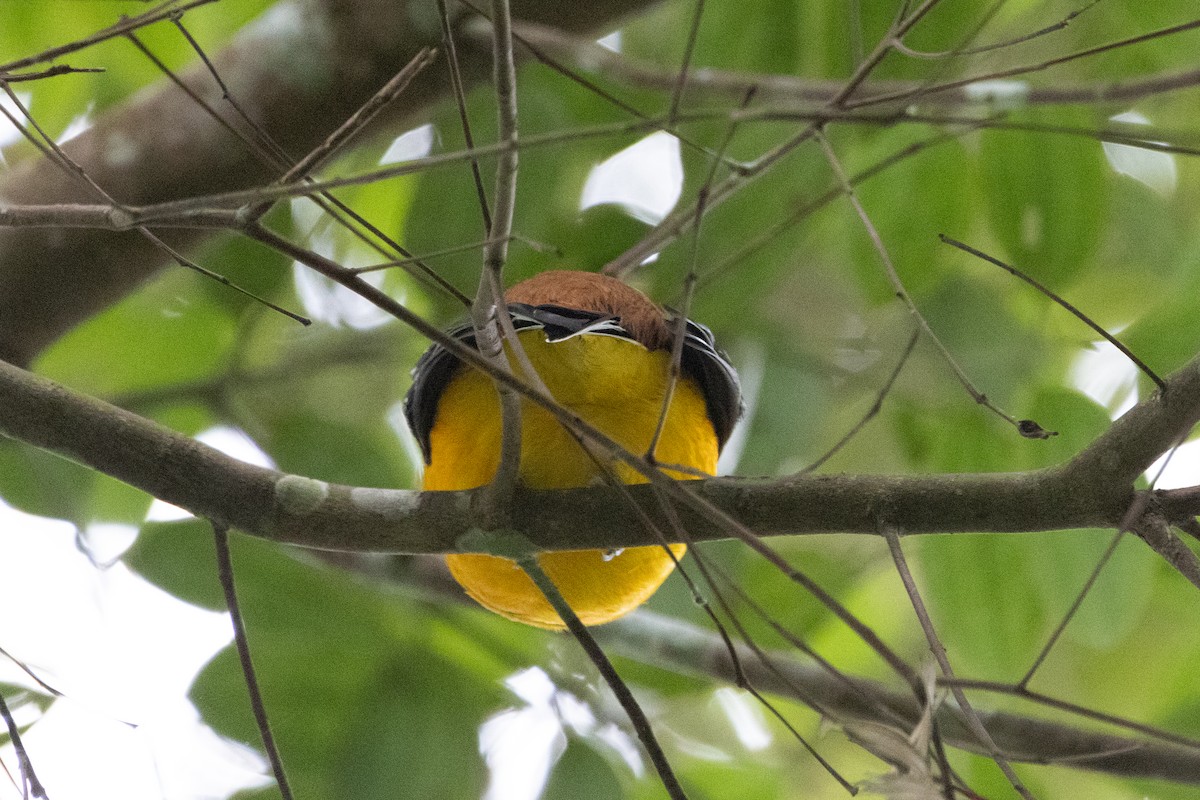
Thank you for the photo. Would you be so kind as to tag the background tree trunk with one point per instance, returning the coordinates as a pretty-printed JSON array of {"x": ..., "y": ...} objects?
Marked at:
[{"x": 298, "y": 71}]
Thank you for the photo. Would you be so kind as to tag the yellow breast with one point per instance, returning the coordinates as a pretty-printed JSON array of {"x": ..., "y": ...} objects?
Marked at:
[{"x": 617, "y": 386}]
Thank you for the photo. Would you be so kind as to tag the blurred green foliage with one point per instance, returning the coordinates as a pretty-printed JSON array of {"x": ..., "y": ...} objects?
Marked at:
[{"x": 378, "y": 689}]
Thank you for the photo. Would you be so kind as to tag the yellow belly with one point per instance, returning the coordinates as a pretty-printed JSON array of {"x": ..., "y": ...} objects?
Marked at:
[{"x": 616, "y": 385}]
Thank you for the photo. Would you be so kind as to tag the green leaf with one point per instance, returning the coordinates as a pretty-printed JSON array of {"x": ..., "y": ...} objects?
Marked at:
[
  {"x": 1048, "y": 196},
  {"x": 167, "y": 334},
  {"x": 1076, "y": 419},
  {"x": 600, "y": 234},
  {"x": 582, "y": 772},
  {"x": 1000, "y": 354},
  {"x": 42, "y": 483},
  {"x": 360, "y": 703},
  {"x": 909, "y": 231},
  {"x": 789, "y": 389},
  {"x": 979, "y": 591},
  {"x": 1168, "y": 336},
  {"x": 179, "y": 557},
  {"x": 387, "y": 748},
  {"x": 263, "y": 273},
  {"x": 318, "y": 448},
  {"x": 48, "y": 485},
  {"x": 1116, "y": 603}
]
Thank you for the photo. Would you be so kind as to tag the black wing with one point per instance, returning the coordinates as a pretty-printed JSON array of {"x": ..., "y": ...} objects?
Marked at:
[
  {"x": 702, "y": 361},
  {"x": 708, "y": 365},
  {"x": 431, "y": 376}
]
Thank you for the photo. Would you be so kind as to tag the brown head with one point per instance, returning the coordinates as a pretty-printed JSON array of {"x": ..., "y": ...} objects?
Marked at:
[
  {"x": 644, "y": 321},
  {"x": 591, "y": 291}
]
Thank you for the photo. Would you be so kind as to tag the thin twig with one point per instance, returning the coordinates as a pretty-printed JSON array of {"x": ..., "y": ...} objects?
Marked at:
[
  {"x": 272, "y": 155},
  {"x": 50, "y": 72},
  {"x": 941, "y": 69},
  {"x": 911, "y": 95},
  {"x": 460, "y": 100},
  {"x": 685, "y": 65},
  {"x": 860, "y": 628},
  {"x": 690, "y": 281},
  {"x": 678, "y": 335},
  {"x": 806, "y": 210},
  {"x": 585, "y": 53},
  {"x": 679, "y": 332},
  {"x": 1134, "y": 513},
  {"x": 637, "y": 717},
  {"x": 187, "y": 263},
  {"x": 261, "y": 150},
  {"x": 225, "y": 574},
  {"x": 679, "y": 492},
  {"x": 355, "y": 123},
  {"x": 987, "y": 48},
  {"x": 412, "y": 264},
  {"x": 668, "y": 643},
  {"x": 28, "y": 776},
  {"x": 445, "y": 251},
  {"x": 1076, "y": 603},
  {"x": 677, "y": 221},
  {"x": 792, "y": 639},
  {"x": 706, "y": 571},
  {"x": 900, "y": 27},
  {"x": 216, "y": 210},
  {"x": 159, "y": 13},
  {"x": 743, "y": 680},
  {"x": 505, "y": 77},
  {"x": 995, "y": 687},
  {"x": 530, "y": 35},
  {"x": 875, "y": 407},
  {"x": 336, "y": 142},
  {"x": 1141, "y": 365},
  {"x": 493, "y": 325},
  {"x": 172, "y": 209},
  {"x": 21, "y": 665},
  {"x": 493, "y": 328},
  {"x": 50, "y": 150},
  {"x": 970, "y": 717},
  {"x": 264, "y": 138},
  {"x": 902, "y": 293}
]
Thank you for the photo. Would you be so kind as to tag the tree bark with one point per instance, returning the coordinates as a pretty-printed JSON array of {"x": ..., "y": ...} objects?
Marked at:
[
  {"x": 299, "y": 71},
  {"x": 1095, "y": 489}
]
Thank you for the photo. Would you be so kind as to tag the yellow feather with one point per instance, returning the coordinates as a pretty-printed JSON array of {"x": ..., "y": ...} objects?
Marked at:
[{"x": 616, "y": 385}]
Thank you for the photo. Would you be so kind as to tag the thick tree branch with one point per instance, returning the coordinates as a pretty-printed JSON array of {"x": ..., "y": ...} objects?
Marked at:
[
  {"x": 1093, "y": 490},
  {"x": 299, "y": 71}
]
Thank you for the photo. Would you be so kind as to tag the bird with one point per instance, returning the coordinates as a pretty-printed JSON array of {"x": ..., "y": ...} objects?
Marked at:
[{"x": 603, "y": 350}]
